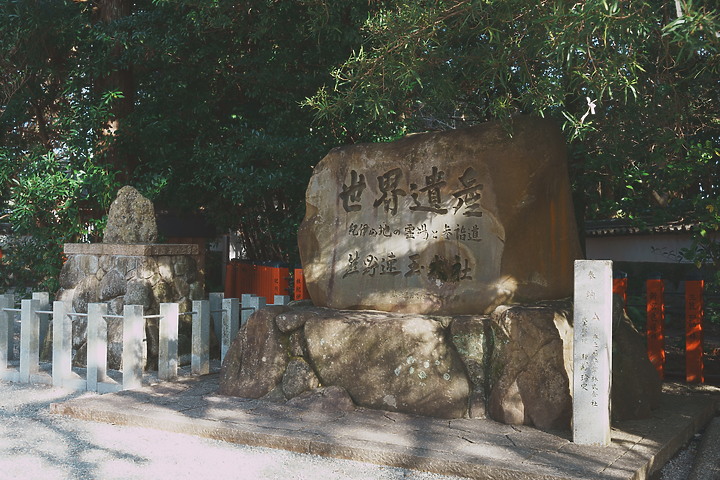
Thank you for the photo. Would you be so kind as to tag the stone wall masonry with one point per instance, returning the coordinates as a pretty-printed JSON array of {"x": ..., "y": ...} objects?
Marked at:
[{"x": 129, "y": 274}]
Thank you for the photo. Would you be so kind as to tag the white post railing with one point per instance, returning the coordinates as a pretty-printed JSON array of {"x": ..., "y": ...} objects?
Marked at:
[
  {"x": 230, "y": 314},
  {"x": 62, "y": 344},
  {"x": 200, "y": 350},
  {"x": 168, "y": 348},
  {"x": 133, "y": 346},
  {"x": 7, "y": 320},
  {"x": 216, "y": 307},
  {"x": 281, "y": 299},
  {"x": 29, "y": 339},
  {"x": 230, "y": 324},
  {"x": 96, "y": 346}
]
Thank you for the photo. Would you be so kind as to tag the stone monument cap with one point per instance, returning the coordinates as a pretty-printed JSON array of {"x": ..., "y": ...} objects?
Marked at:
[{"x": 131, "y": 219}]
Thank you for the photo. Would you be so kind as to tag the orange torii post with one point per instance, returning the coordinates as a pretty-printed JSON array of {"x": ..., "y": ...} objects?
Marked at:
[
  {"x": 693, "y": 331},
  {"x": 620, "y": 285},
  {"x": 656, "y": 324},
  {"x": 263, "y": 281}
]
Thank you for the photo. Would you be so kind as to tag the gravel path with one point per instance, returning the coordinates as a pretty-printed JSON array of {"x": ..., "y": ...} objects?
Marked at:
[{"x": 35, "y": 445}]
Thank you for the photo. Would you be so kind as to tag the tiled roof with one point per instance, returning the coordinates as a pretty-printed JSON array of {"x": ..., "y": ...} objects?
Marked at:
[{"x": 621, "y": 226}]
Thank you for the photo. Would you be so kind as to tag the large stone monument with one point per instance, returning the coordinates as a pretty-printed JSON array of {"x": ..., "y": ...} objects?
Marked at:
[
  {"x": 440, "y": 267},
  {"x": 129, "y": 268},
  {"x": 455, "y": 222}
]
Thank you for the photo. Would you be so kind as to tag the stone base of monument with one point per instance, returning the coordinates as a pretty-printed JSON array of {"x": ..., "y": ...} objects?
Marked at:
[
  {"x": 513, "y": 365},
  {"x": 129, "y": 274}
]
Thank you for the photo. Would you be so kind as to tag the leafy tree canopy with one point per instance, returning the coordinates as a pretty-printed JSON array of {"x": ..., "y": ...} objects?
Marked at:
[
  {"x": 195, "y": 103},
  {"x": 636, "y": 86},
  {"x": 224, "y": 106}
]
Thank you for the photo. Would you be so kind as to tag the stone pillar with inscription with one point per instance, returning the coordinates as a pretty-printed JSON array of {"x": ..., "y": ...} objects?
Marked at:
[{"x": 592, "y": 352}]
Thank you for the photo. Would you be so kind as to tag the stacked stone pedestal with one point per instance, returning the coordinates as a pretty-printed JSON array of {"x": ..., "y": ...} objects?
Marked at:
[
  {"x": 513, "y": 365},
  {"x": 129, "y": 274}
]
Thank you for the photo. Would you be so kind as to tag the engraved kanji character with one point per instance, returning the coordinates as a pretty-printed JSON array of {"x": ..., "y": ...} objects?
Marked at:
[
  {"x": 352, "y": 264},
  {"x": 469, "y": 196},
  {"x": 433, "y": 183},
  {"x": 385, "y": 230},
  {"x": 458, "y": 272},
  {"x": 388, "y": 183},
  {"x": 474, "y": 234},
  {"x": 353, "y": 192},
  {"x": 388, "y": 266},
  {"x": 414, "y": 268},
  {"x": 409, "y": 231},
  {"x": 422, "y": 229},
  {"x": 371, "y": 265}
]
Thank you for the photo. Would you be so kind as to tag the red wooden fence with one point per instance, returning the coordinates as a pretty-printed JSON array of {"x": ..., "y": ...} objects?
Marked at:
[
  {"x": 693, "y": 331},
  {"x": 263, "y": 280},
  {"x": 656, "y": 324}
]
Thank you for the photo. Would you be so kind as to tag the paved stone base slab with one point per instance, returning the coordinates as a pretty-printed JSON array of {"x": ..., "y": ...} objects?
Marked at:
[{"x": 470, "y": 448}]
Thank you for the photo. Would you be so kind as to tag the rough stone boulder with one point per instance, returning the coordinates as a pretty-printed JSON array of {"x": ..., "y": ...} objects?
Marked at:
[
  {"x": 470, "y": 336},
  {"x": 531, "y": 365},
  {"x": 327, "y": 400},
  {"x": 258, "y": 357},
  {"x": 636, "y": 386},
  {"x": 131, "y": 219},
  {"x": 455, "y": 222},
  {"x": 397, "y": 363},
  {"x": 513, "y": 366}
]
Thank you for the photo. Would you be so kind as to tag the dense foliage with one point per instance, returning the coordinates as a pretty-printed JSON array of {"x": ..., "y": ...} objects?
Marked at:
[
  {"x": 636, "y": 85},
  {"x": 195, "y": 103},
  {"x": 223, "y": 107}
]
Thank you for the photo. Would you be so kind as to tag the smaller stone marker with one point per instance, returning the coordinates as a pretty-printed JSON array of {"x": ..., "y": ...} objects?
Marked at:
[{"x": 592, "y": 352}]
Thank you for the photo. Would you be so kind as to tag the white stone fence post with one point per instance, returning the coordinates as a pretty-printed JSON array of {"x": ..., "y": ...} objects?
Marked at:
[{"x": 35, "y": 317}]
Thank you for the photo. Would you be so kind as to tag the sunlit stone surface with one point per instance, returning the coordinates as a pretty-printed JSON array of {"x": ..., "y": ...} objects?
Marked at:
[{"x": 454, "y": 222}]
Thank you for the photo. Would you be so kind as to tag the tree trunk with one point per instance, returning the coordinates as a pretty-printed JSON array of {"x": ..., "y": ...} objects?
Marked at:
[{"x": 120, "y": 80}]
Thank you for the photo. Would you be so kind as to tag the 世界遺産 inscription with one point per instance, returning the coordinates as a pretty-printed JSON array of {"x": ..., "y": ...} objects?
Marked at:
[{"x": 428, "y": 198}]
